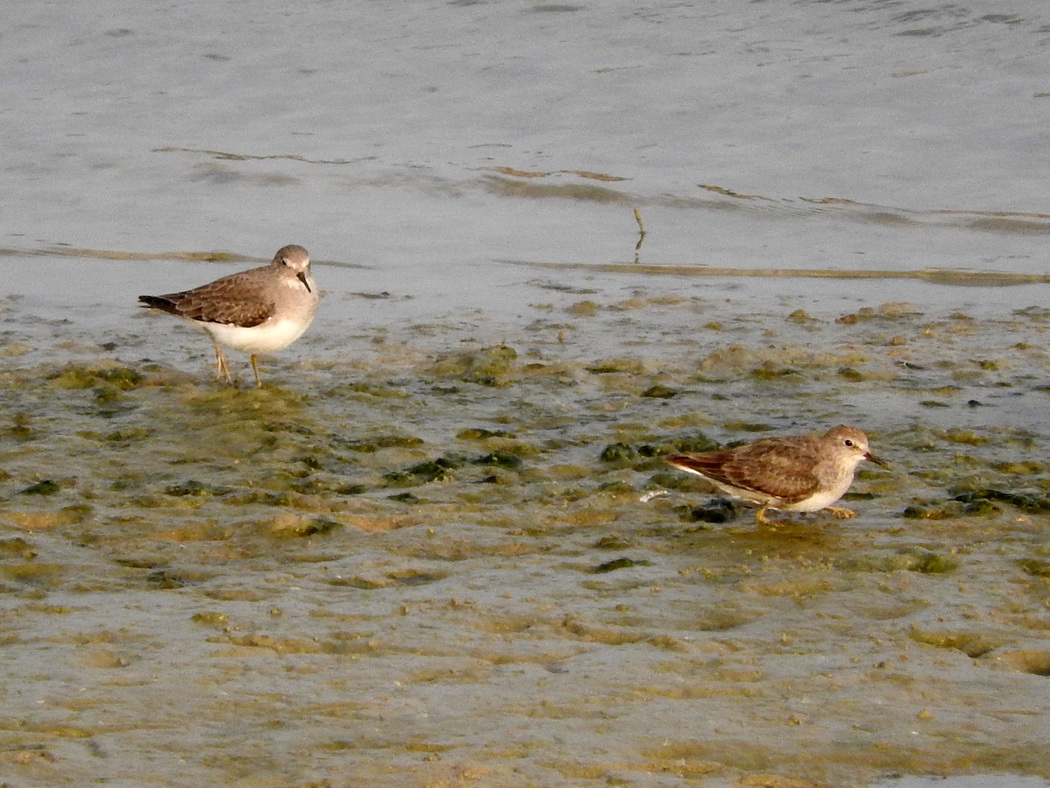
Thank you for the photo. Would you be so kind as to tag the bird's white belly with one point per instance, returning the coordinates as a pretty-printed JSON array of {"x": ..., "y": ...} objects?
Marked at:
[
  {"x": 820, "y": 500},
  {"x": 266, "y": 337},
  {"x": 740, "y": 492},
  {"x": 811, "y": 504}
]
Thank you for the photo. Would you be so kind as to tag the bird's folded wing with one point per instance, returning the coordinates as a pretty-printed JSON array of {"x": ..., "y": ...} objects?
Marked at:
[
  {"x": 233, "y": 300},
  {"x": 784, "y": 470},
  {"x": 780, "y": 469}
]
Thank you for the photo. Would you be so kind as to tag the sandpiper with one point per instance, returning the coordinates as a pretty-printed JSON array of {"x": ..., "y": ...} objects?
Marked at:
[
  {"x": 800, "y": 473},
  {"x": 256, "y": 311}
]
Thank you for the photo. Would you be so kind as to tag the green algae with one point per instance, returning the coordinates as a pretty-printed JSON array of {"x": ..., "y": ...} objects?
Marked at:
[
  {"x": 659, "y": 391},
  {"x": 501, "y": 459},
  {"x": 619, "y": 453},
  {"x": 374, "y": 444},
  {"x": 34, "y": 573},
  {"x": 933, "y": 403},
  {"x": 16, "y": 547},
  {"x": 964, "y": 436},
  {"x": 981, "y": 500},
  {"x": 211, "y": 618},
  {"x": 1021, "y": 468},
  {"x": 21, "y": 428},
  {"x": 488, "y": 366},
  {"x": 925, "y": 562},
  {"x": 193, "y": 487},
  {"x": 1034, "y": 567},
  {"x": 43, "y": 487},
  {"x": 584, "y": 308},
  {"x": 613, "y": 366},
  {"x": 612, "y": 542},
  {"x": 982, "y": 507},
  {"x": 615, "y": 564},
  {"x": 427, "y": 471},
  {"x": 719, "y": 510},
  {"x": 481, "y": 434},
  {"x": 299, "y": 527},
  {"x": 933, "y": 511},
  {"x": 910, "y": 559},
  {"x": 76, "y": 376},
  {"x": 168, "y": 578}
]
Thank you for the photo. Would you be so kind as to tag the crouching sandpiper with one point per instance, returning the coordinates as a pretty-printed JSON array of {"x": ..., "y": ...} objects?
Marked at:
[{"x": 800, "y": 473}]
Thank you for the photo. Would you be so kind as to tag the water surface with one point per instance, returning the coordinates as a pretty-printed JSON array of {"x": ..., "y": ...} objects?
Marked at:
[{"x": 440, "y": 546}]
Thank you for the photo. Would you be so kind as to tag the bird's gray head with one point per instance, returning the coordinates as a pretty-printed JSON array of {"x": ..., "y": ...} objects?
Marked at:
[
  {"x": 853, "y": 443},
  {"x": 296, "y": 259}
]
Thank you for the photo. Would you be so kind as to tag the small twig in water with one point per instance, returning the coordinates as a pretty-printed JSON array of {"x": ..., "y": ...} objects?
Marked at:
[{"x": 641, "y": 233}]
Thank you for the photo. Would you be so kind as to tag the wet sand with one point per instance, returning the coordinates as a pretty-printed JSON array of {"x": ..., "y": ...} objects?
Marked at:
[
  {"x": 445, "y": 550},
  {"x": 440, "y": 547}
]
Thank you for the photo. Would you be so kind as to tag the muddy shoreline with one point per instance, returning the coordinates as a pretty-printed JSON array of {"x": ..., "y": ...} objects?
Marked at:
[{"x": 424, "y": 564}]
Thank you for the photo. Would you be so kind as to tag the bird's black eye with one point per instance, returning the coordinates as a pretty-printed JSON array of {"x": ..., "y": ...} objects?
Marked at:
[{"x": 849, "y": 442}]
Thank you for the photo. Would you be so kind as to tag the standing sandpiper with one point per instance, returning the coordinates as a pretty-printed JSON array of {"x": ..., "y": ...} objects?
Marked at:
[
  {"x": 801, "y": 473},
  {"x": 256, "y": 311}
]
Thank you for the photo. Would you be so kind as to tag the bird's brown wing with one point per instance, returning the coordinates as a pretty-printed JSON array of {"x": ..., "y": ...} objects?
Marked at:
[
  {"x": 781, "y": 468},
  {"x": 709, "y": 465},
  {"x": 238, "y": 300}
]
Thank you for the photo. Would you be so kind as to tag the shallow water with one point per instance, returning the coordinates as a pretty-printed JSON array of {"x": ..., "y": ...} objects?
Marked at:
[
  {"x": 410, "y": 564},
  {"x": 410, "y": 558}
]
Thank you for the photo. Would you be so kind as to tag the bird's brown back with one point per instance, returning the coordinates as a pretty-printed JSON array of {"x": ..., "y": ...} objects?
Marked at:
[
  {"x": 775, "y": 466},
  {"x": 239, "y": 299}
]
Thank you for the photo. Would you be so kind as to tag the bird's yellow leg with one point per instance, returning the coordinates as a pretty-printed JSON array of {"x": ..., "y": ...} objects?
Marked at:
[
  {"x": 221, "y": 370},
  {"x": 760, "y": 515},
  {"x": 255, "y": 369},
  {"x": 841, "y": 511}
]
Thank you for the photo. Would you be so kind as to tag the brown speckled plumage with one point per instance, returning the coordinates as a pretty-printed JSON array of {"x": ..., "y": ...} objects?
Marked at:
[
  {"x": 257, "y": 311},
  {"x": 240, "y": 299},
  {"x": 800, "y": 473}
]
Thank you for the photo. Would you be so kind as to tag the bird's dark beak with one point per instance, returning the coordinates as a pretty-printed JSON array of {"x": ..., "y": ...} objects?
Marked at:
[
  {"x": 302, "y": 278},
  {"x": 876, "y": 460}
]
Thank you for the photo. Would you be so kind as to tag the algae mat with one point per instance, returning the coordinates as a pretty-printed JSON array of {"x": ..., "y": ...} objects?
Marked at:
[{"x": 447, "y": 552}]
